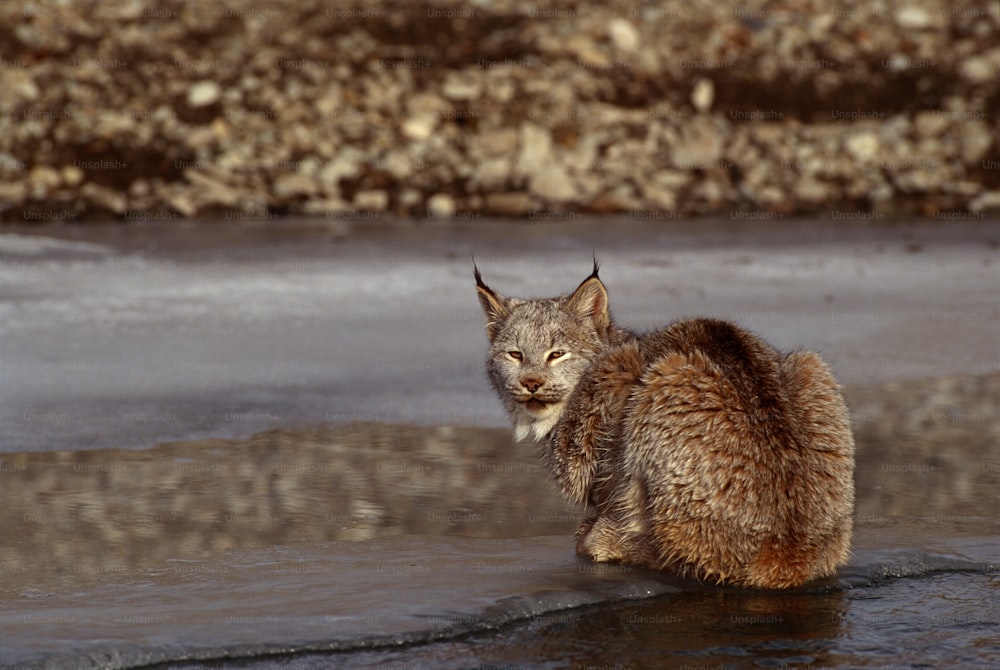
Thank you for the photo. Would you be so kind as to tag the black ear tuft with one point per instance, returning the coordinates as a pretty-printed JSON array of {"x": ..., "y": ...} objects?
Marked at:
[
  {"x": 477, "y": 275},
  {"x": 495, "y": 305},
  {"x": 597, "y": 267}
]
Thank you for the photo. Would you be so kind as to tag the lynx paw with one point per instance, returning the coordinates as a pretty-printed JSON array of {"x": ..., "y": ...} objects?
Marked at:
[
  {"x": 604, "y": 540},
  {"x": 598, "y": 540}
]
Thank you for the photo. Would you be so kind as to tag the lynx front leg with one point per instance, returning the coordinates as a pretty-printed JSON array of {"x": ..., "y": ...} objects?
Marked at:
[
  {"x": 596, "y": 539},
  {"x": 604, "y": 539}
]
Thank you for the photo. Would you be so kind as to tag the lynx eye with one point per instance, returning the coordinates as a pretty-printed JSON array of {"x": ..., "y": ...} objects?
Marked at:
[
  {"x": 556, "y": 355},
  {"x": 516, "y": 355}
]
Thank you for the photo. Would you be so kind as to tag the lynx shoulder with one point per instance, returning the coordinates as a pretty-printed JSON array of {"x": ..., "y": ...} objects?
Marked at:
[{"x": 697, "y": 448}]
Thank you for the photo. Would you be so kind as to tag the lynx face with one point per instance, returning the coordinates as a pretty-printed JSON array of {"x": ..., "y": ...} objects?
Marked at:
[{"x": 540, "y": 348}]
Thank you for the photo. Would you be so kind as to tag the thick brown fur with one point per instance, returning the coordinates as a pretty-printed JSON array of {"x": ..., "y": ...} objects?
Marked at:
[{"x": 697, "y": 448}]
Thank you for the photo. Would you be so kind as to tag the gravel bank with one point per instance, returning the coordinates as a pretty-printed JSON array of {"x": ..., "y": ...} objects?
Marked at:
[{"x": 258, "y": 108}]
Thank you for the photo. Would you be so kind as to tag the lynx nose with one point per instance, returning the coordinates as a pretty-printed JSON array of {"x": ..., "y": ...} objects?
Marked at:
[{"x": 532, "y": 384}]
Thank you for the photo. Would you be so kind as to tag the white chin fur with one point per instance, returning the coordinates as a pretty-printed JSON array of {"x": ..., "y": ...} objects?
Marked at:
[{"x": 537, "y": 425}]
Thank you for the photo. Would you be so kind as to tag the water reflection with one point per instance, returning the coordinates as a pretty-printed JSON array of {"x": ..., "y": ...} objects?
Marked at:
[
  {"x": 927, "y": 455},
  {"x": 103, "y": 511}
]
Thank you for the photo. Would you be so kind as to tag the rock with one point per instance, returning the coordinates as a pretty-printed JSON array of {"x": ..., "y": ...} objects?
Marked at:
[
  {"x": 462, "y": 86},
  {"x": 347, "y": 165},
  {"x": 18, "y": 86},
  {"x": 492, "y": 174},
  {"x": 72, "y": 175},
  {"x": 371, "y": 201},
  {"x": 659, "y": 196},
  {"x": 182, "y": 202},
  {"x": 514, "y": 203},
  {"x": 43, "y": 180},
  {"x": 427, "y": 103},
  {"x": 553, "y": 184},
  {"x": 978, "y": 70},
  {"x": 500, "y": 89},
  {"x": 988, "y": 201},
  {"x": 756, "y": 176},
  {"x": 496, "y": 141},
  {"x": 9, "y": 163},
  {"x": 441, "y": 205},
  {"x": 920, "y": 178},
  {"x": 582, "y": 159},
  {"x": 212, "y": 187},
  {"x": 294, "y": 185},
  {"x": 930, "y": 123},
  {"x": 880, "y": 193},
  {"x": 588, "y": 54},
  {"x": 536, "y": 148},
  {"x": 104, "y": 197},
  {"x": 813, "y": 191},
  {"x": 623, "y": 35},
  {"x": 203, "y": 93},
  {"x": 700, "y": 146},
  {"x": 139, "y": 188},
  {"x": 672, "y": 179},
  {"x": 606, "y": 203},
  {"x": 588, "y": 186},
  {"x": 769, "y": 196},
  {"x": 410, "y": 198},
  {"x": 622, "y": 197},
  {"x": 703, "y": 94},
  {"x": 863, "y": 146},
  {"x": 976, "y": 140},
  {"x": 324, "y": 206},
  {"x": 420, "y": 127},
  {"x": 12, "y": 193},
  {"x": 913, "y": 18},
  {"x": 397, "y": 164}
]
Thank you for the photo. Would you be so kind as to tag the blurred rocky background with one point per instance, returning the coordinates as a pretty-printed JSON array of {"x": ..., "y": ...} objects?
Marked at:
[{"x": 252, "y": 109}]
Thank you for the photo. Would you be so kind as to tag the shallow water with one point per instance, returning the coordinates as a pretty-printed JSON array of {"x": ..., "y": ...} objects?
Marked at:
[
  {"x": 137, "y": 335},
  {"x": 391, "y": 546},
  {"x": 424, "y": 537}
]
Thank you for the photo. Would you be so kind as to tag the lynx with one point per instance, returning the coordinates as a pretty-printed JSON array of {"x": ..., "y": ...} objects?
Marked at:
[{"x": 698, "y": 449}]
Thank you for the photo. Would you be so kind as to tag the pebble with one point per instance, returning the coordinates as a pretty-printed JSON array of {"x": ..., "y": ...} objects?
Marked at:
[
  {"x": 104, "y": 197},
  {"x": 986, "y": 202},
  {"x": 536, "y": 148},
  {"x": 863, "y": 146},
  {"x": 553, "y": 184},
  {"x": 700, "y": 146},
  {"x": 982, "y": 69},
  {"x": 462, "y": 86},
  {"x": 703, "y": 94},
  {"x": 623, "y": 35},
  {"x": 513, "y": 203},
  {"x": 913, "y": 18},
  {"x": 44, "y": 180},
  {"x": 203, "y": 93},
  {"x": 72, "y": 175},
  {"x": 371, "y": 200},
  {"x": 930, "y": 123},
  {"x": 441, "y": 205},
  {"x": 976, "y": 139},
  {"x": 294, "y": 185},
  {"x": 419, "y": 127}
]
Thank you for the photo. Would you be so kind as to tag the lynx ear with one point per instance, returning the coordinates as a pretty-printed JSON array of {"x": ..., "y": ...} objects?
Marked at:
[
  {"x": 590, "y": 301},
  {"x": 495, "y": 305}
]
